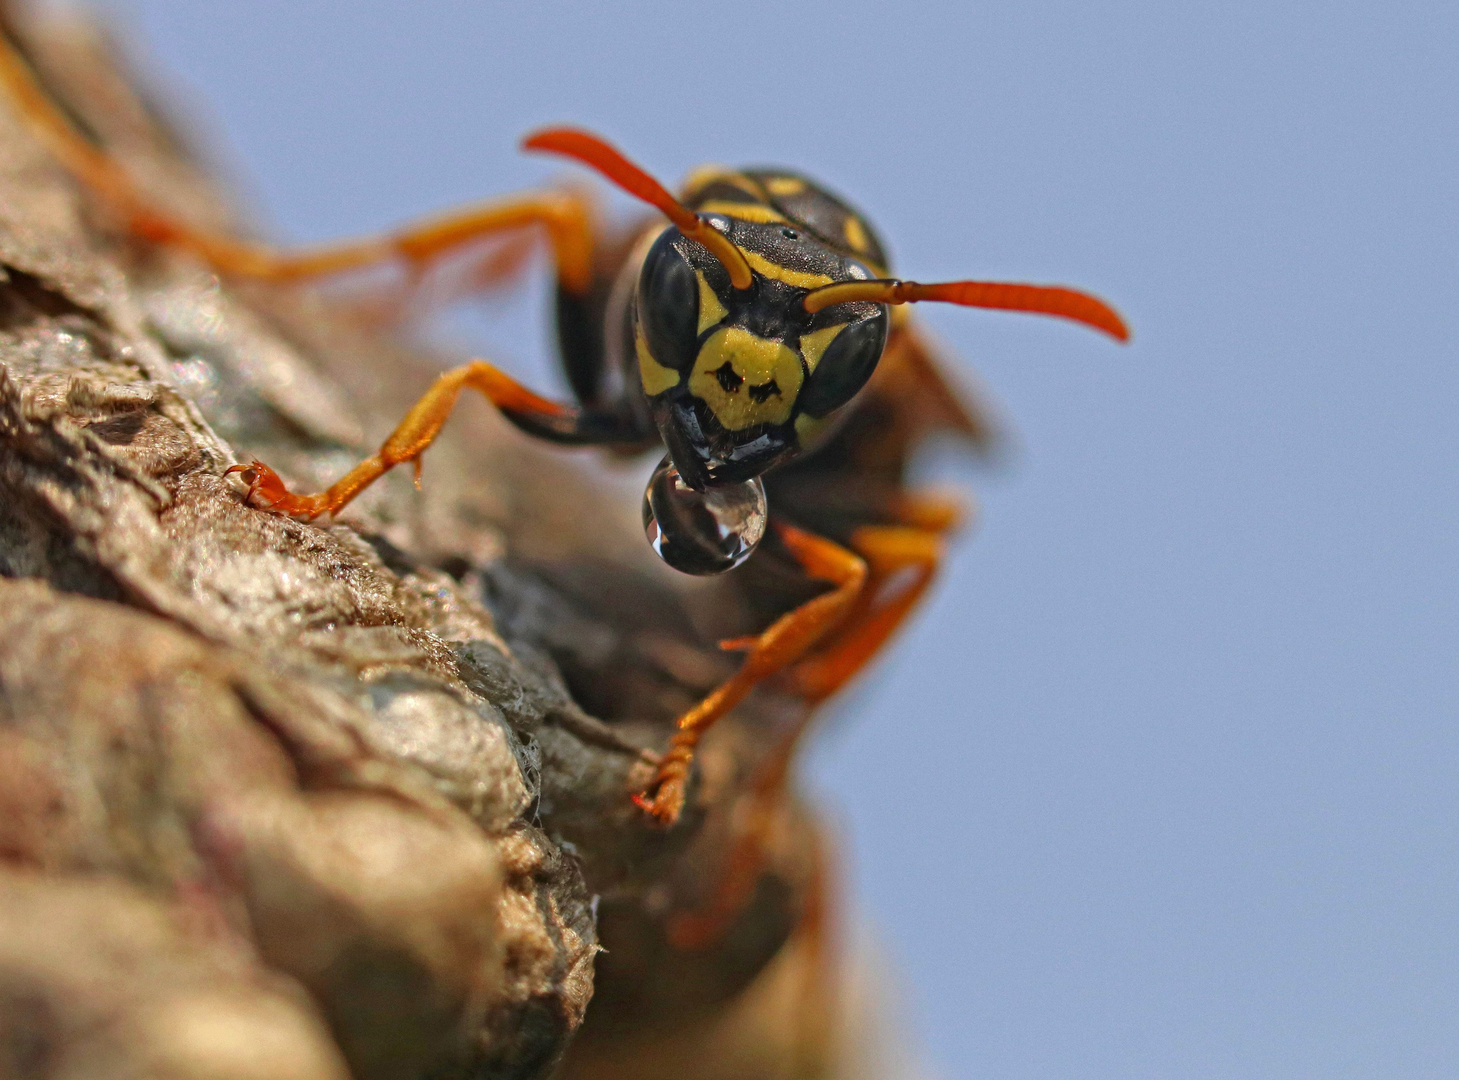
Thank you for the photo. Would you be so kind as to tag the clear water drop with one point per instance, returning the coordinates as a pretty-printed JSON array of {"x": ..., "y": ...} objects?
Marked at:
[{"x": 703, "y": 532}]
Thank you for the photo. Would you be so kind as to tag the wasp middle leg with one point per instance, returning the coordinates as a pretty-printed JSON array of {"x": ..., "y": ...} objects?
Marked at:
[
  {"x": 782, "y": 644},
  {"x": 901, "y": 560}
]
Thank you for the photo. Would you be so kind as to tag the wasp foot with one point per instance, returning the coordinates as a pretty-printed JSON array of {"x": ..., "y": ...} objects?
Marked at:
[
  {"x": 663, "y": 798},
  {"x": 266, "y": 491}
]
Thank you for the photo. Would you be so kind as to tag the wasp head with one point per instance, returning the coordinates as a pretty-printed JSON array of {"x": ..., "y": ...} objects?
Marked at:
[{"x": 741, "y": 378}]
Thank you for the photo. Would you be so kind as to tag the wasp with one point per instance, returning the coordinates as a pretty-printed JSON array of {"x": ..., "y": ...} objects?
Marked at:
[{"x": 738, "y": 333}]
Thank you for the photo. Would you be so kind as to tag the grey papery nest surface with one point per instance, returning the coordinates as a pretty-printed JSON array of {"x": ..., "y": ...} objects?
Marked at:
[{"x": 288, "y": 800}]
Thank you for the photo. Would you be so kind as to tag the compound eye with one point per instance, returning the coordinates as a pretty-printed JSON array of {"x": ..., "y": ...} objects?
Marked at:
[
  {"x": 668, "y": 303},
  {"x": 845, "y": 366}
]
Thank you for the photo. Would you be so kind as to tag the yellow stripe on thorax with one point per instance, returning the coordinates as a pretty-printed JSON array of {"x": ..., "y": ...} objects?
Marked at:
[
  {"x": 705, "y": 175},
  {"x": 784, "y": 185},
  {"x": 856, "y": 234}
]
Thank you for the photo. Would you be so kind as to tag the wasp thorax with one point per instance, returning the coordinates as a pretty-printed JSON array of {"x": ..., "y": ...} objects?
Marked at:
[{"x": 703, "y": 532}]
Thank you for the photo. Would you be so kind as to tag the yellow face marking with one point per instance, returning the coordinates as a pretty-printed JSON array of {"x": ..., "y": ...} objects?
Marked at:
[
  {"x": 799, "y": 278},
  {"x": 743, "y": 396},
  {"x": 784, "y": 185},
  {"x": 856, "y": 234},
  {"x": 757, "y": 212},
  {"x": 808, "y": 428},
  {"x": 813, "y": 345},
  {"x": 711, "y": 310},
  {"x": 655, "y": 377}
]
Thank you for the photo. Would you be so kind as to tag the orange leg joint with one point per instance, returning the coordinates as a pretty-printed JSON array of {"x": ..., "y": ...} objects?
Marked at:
[{"x": 903, "y": 560}]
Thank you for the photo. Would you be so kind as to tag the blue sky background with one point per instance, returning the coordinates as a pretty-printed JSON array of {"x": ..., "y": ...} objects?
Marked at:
[{"x": 1165, "y": 783}]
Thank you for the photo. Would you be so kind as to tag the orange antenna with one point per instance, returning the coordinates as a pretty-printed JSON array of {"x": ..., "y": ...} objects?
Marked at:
[
  {"x": 606, "y": 159},
  {"x": 1054, "y": 300}
]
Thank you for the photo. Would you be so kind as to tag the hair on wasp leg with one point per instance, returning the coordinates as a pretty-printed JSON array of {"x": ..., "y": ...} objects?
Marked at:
[{"x": 741, "y": 337}]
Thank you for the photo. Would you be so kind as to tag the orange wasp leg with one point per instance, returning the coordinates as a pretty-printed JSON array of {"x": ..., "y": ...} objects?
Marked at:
[
  {"x": 566, "y": 215},
  {"x": 702, "y": 928},
  {"x": 888, "y": 551},
  {"x": 410, "y": 439},
  {"x": 785, "y": 642}
]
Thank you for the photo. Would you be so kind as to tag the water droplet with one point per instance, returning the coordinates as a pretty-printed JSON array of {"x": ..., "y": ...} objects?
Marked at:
[{"x": 703, "y": 532}]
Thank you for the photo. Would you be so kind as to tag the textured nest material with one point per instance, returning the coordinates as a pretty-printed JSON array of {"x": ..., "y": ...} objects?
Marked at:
[{"x": 286, "y": 800}]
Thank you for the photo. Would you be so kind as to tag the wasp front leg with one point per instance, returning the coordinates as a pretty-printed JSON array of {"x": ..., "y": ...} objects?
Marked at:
[{"x": 535, "y": 414}]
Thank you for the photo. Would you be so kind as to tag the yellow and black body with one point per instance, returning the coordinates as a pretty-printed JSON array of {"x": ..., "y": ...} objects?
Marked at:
[
  {"x": 735, "y": 337},
  {"x": 734, "y": 381},
  {"x": 737, "y": 332}
]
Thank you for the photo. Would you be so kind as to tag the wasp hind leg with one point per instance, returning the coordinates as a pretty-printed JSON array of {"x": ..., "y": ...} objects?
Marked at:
[
  {"x": 537, "y": 415},
  {"x": 566, "y": 215}
]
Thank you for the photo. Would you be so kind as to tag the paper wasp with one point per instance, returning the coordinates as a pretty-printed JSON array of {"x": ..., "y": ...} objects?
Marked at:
[{"x": 738, "y": 336}]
